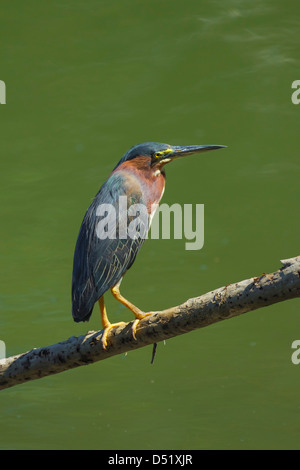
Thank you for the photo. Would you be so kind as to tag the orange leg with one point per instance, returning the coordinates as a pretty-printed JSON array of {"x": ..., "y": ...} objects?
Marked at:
[
  {"x": 106, "y": 323},
  {"x": 139, "y": 314}
]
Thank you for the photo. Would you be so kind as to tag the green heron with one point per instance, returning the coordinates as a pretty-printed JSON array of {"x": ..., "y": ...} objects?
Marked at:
[{"x": 102, "y": 257}]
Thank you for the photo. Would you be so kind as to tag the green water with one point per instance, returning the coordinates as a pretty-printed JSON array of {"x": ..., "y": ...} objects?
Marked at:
[{"x": 85, "y": 81}]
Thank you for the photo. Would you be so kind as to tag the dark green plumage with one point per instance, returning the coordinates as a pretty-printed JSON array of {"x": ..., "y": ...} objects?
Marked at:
[{"x": 99, "y": 264}]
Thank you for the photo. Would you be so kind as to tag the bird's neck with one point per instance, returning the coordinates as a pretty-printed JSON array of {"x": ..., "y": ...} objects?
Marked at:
[{"x": 149, "y": 182}]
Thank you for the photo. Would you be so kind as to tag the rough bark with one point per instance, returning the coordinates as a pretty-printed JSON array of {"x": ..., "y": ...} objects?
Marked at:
[{"x": 220, "y": 304}]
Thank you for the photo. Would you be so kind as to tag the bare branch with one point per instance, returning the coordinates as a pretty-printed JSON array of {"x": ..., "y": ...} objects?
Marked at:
[{"x": 220, "y": 304}]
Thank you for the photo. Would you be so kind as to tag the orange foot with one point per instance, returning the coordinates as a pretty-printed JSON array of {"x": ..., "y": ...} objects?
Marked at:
[
  {"x": 139, "y": 317},
  {"x": 106, "y": 330}
]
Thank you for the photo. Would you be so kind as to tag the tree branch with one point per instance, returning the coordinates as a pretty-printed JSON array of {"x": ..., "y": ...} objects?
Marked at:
[{"x": 220, "y": 304}]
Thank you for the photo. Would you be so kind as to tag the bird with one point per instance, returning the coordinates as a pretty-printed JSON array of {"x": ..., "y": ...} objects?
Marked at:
[{"x": 104, "y": 251}]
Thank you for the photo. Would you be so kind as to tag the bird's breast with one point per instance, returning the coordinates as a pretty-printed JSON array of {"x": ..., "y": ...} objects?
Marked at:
[{"x": 143, "y": 185}]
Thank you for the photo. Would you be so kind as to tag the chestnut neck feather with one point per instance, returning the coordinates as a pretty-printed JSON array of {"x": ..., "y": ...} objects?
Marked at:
[{"x": 144, "y": 179}]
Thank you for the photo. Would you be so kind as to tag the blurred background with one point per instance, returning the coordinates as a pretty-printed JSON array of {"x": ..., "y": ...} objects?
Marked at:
[{"x": 85, "y": 81}]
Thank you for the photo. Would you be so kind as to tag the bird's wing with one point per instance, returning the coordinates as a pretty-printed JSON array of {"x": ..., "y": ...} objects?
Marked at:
[{"x": 100, "y": 263}]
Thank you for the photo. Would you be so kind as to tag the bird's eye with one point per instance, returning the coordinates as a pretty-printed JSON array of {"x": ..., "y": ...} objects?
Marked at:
[{"x": 158, "y": 154}]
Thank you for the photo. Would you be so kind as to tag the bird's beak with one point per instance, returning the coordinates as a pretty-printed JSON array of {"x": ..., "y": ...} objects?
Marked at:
[{"x": 178, "y": 151}]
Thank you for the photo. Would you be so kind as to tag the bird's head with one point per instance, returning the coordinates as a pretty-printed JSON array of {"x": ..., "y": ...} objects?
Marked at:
[{"x": 158, "y": 154}]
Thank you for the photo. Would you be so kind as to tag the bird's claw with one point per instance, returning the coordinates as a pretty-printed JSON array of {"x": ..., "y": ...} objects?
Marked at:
[
  {"x": 136, "y": 321},
  {"x": 107, "y": 330}
]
